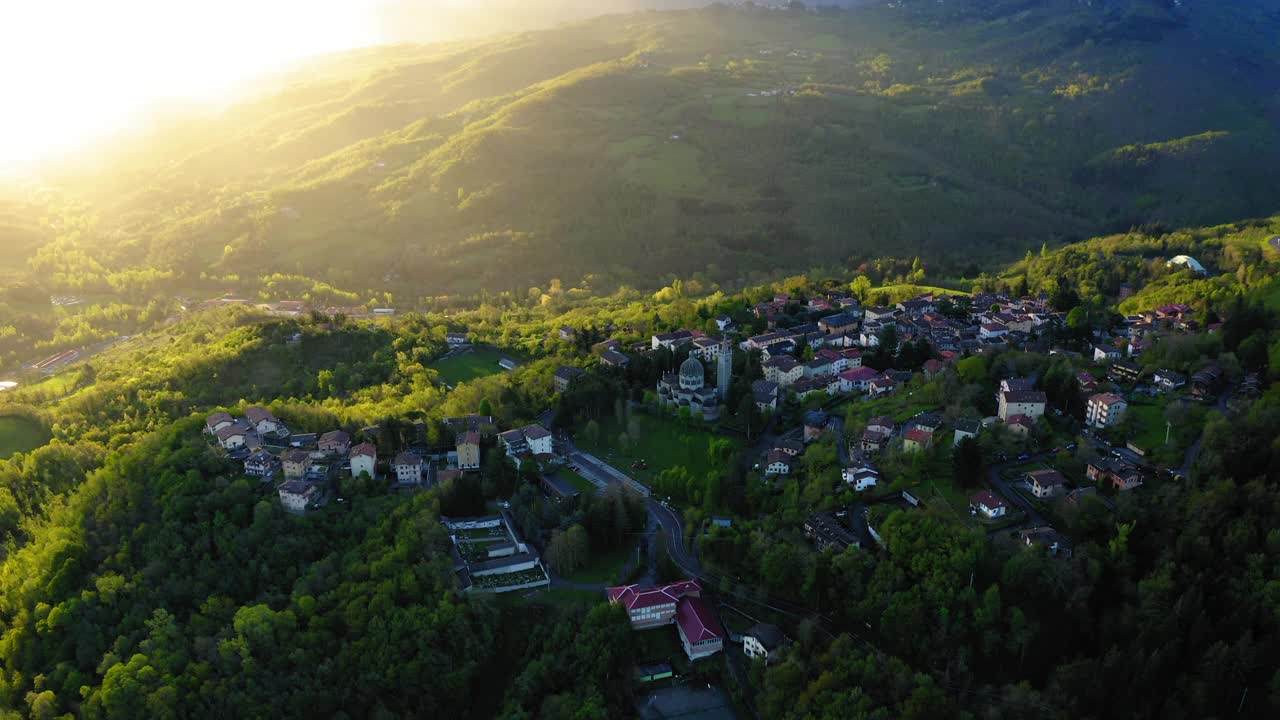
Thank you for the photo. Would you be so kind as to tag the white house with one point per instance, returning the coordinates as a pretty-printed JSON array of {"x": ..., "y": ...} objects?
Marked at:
[
  {"x": 861, "y": 476},
  {"x": 408, "y": 469},
  {"x": 297, "y": 496},
  {"x": 533, "y": 439},
  {"x": 1105, "y": 409},
  {"x": 234, "y": 437},
  {"x": 363, "y": 459},
  {"x": 778, "y": 463},
  {"x": 783, "y": 370},
  {"x": 762, "y": 641},
  {"x": 262, "y": 420},
  {"x": 1022, "y": 402},
  {"x": 992, "y": 331},
  {"x": 988, "y": 505},
  {"x": 1105, "y": 353},
  {"x": 218, "y": 421}
]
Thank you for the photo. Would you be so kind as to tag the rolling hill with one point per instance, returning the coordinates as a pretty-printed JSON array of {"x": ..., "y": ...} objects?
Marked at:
[{"x": 732, "y": 142}]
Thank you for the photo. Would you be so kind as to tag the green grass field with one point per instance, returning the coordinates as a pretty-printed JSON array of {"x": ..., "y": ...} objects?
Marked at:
[
  {"x": 900, "y": 406},
  {"x": 1150, "y": 425},
  {"x": 18, "y": 434},
  {"x": 469, "y": 365},
  {"x": 663, "y": 443},
  {"x": 580, "y": 483}
]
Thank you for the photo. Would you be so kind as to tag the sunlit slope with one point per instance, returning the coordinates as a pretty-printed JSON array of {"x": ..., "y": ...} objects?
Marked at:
[{"x": 725, "y": 141}]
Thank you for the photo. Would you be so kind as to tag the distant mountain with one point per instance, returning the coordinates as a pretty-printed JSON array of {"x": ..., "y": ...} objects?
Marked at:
[{"x": 727, "y": 141}]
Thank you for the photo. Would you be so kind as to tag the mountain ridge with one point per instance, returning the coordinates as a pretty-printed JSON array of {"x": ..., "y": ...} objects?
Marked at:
[{"x": 705, "y": 141}]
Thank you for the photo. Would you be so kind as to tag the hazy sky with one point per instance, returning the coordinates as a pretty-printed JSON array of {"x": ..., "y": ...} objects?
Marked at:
[{"x": 78, "y": 69}]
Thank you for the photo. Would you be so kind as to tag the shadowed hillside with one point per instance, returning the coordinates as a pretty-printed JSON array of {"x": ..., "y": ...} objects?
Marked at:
[{"x": 727, "y": 141}]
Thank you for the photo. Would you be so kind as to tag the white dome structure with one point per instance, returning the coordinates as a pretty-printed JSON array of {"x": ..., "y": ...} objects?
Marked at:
[{"x": 1188, "y": 262}]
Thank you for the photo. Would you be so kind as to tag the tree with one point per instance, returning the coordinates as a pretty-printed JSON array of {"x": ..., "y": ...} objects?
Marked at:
[
  {"x": 972, "y": 370},
  {"x": 860, "y": 287},
  {"x": 591, "y": 433},
  {"x": 966, "y": 462},
  {"x": 486, "y": 408}
]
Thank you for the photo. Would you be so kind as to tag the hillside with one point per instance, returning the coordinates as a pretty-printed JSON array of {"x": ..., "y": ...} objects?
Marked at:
[
  {"x": 144, "y": 575},
  {"x": 728, "y": 141}
]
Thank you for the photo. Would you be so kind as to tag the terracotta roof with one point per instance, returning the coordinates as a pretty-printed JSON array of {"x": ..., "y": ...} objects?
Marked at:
[
  {"x": 697, "y": 621},
  {"x": 983, "y": 497},
  {"x": 471, "y": 437},
  {"x": 1106, "y": 398},
  {"x": 918, "y": 435},
  {"x": 366, "y": 449},
  {"x": 860, "y": 374}
]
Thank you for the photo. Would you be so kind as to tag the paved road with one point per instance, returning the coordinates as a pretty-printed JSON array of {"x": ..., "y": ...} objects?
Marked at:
[
  {"x": 602, "y": 474},
  {"x": 842, "y": 445},
  {"x": 1006, "y": 490}
]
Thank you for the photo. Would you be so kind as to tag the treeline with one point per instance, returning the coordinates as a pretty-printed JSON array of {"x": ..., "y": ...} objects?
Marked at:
[{"x": 169, "y": 585}]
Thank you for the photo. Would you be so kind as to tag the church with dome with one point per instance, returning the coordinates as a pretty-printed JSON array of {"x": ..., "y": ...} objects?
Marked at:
[{"x": 688, "y": 388}]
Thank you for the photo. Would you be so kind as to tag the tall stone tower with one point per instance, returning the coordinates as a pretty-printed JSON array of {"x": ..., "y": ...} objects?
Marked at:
[{"x": 724, "y": 369}]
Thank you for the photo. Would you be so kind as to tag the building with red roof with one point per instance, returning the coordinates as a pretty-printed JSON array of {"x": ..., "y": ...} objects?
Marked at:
[
  {"x": 679, "y": 603},
  {"x": 652, "y": 607},
  {"x": 700, "y": 631},
  {"x": 916, "y": 440},
  {"x": 989, "y": 504}
]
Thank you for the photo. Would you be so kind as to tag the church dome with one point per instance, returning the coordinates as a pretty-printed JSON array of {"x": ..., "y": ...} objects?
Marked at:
[
  {"x": 691, "y": 374},
  {"x": 691, "y": 368}
]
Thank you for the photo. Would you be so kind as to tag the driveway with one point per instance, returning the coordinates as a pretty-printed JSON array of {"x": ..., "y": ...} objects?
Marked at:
[{"x": 1005, "y": 488}]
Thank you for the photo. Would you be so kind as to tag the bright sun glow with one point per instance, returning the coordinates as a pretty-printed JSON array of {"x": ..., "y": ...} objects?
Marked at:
[{"x": 75, "y": 70}]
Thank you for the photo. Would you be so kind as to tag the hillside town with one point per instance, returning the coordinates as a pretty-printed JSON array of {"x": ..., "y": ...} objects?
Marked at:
[{"x": 826, "y": 375}]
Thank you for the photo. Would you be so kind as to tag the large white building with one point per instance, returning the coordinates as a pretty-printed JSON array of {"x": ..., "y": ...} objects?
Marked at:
[
  {"x": 408, "y": 469},
  {"x": 533, "y": 439},
  {"x": 1021, "y": 402},
  {"x": 1105, "y": 409}
]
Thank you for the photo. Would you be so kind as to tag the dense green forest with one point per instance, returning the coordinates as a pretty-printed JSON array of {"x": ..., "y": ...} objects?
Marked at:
[{"x": 728, "y": 141}]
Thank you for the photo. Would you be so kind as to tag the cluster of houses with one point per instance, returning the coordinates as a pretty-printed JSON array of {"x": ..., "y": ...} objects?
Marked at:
[{"x": 305, "y": 465}]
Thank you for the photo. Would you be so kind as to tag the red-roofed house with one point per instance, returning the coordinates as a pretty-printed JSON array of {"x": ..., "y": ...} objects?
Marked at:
[
  {"x": 679, "y": 603},
  {"x": 652, "y": 607},
  {"x": 700, "y": 631},
  {"x": 988, "y": 504},
  {"x": 916, "y": 440},
  {"x": 1021, "y": 425},
  {"x": 857, "y": 379}
]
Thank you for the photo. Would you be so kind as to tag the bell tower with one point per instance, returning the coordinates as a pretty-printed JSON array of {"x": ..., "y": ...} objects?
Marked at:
[{"x": 724, "y": 369}]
